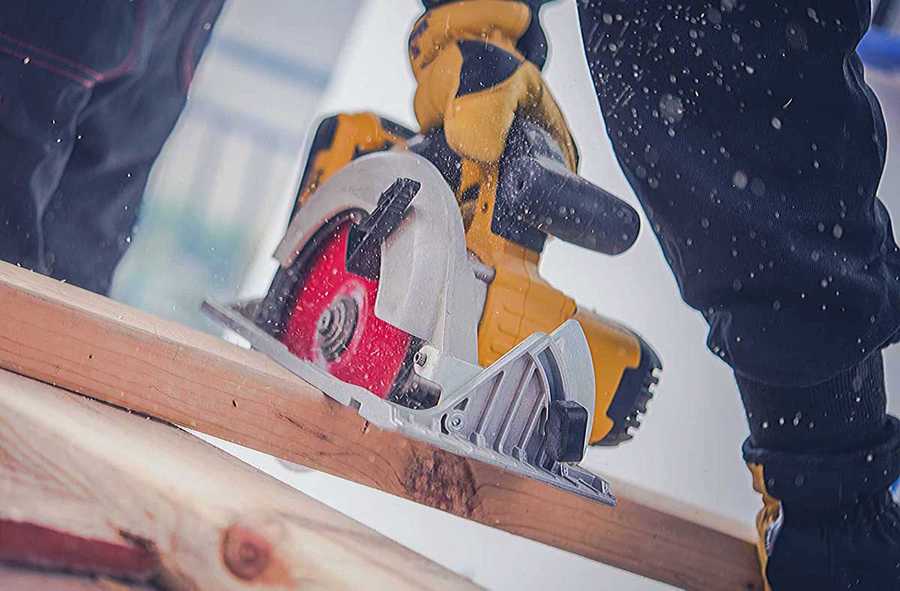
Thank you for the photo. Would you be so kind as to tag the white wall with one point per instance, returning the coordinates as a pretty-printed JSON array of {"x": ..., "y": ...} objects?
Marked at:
[{"x": 226, "y": 175}]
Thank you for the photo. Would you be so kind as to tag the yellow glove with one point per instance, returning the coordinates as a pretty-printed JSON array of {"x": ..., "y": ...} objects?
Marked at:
[{"x": 474, "y": 81}]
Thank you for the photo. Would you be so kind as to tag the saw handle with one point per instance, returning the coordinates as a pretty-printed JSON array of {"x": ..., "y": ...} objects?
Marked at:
[{"x": 538, "y": 195}]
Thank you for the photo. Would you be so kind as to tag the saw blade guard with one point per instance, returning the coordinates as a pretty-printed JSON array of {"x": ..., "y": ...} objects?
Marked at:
[{"x": 427, "y": 284}]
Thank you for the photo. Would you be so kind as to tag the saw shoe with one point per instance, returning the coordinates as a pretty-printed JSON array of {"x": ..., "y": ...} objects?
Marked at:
[{"x": 826, "y": 461}]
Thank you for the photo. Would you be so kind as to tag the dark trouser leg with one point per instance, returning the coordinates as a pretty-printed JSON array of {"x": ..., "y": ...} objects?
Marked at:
[
  {"x": 756, "y": 150},
  {"x": 81, "y": 216},
  {"x": 41, "y": 95},
  {"x": 122, "y": 131}
]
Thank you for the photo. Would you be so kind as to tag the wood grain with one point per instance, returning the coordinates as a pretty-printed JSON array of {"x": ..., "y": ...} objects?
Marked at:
[
  {"x": 88, "y": 344},
  {"x": 91, "y": 488}
]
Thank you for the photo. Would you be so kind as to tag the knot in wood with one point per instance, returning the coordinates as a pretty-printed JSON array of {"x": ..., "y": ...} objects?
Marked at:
[
  {"x": 441, "y": 480},
  {"x": 245, "y": 552}
]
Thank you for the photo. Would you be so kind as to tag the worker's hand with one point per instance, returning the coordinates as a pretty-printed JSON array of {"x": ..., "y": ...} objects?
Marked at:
[{"x": 477, "y": 65}]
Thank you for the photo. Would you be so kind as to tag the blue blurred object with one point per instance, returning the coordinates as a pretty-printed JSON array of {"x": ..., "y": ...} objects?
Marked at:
[{"x": 880, "y": 49}]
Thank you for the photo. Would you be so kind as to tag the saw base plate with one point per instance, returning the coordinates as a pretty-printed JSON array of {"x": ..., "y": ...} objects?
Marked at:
[{"x": 466, "y": 422}]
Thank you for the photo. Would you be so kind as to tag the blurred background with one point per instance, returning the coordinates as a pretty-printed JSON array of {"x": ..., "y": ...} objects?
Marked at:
[
  {"x": 218, "y": 203},
  {"x": 226, "y": 176}
]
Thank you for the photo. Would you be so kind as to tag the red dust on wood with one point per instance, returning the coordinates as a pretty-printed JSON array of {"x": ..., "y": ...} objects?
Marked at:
[{"x": 35, "y": 545}]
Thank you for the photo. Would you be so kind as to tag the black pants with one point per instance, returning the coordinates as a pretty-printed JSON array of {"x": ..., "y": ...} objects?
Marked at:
[
  {"x": 756, "y": 149},
  {"x": 89, "y": 92}
]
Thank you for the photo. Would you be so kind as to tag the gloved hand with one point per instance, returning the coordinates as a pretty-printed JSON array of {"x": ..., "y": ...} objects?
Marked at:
[{"x": 477, "y": 65}]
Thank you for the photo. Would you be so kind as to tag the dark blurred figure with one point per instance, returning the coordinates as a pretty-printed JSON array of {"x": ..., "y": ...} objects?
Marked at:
[{"x": 89, "y": 92}]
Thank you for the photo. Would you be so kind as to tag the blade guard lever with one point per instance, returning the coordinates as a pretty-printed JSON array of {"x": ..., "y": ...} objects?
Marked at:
[{"x": 364, "y": 241}]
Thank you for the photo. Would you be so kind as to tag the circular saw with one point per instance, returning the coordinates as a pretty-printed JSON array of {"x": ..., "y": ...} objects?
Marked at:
[{"x": 417, "y": 307}]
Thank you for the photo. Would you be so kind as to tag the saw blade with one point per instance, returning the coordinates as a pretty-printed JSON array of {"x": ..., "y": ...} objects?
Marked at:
[{"x": 325, "y": 314}]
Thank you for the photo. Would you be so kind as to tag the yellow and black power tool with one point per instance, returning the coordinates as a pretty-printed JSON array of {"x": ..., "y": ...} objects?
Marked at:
[{"x": 508, "y": 214}]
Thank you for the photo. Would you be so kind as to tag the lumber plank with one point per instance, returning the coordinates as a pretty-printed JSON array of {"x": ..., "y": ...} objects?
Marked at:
[
  {"x": 94, "y": 489},
  {"x": 94, "y": 346}
]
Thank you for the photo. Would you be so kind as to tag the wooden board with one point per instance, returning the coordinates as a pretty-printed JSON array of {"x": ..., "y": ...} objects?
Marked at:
[
  {"x": 94, "y": 346},
  {"x": 87, "y": 487}
]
